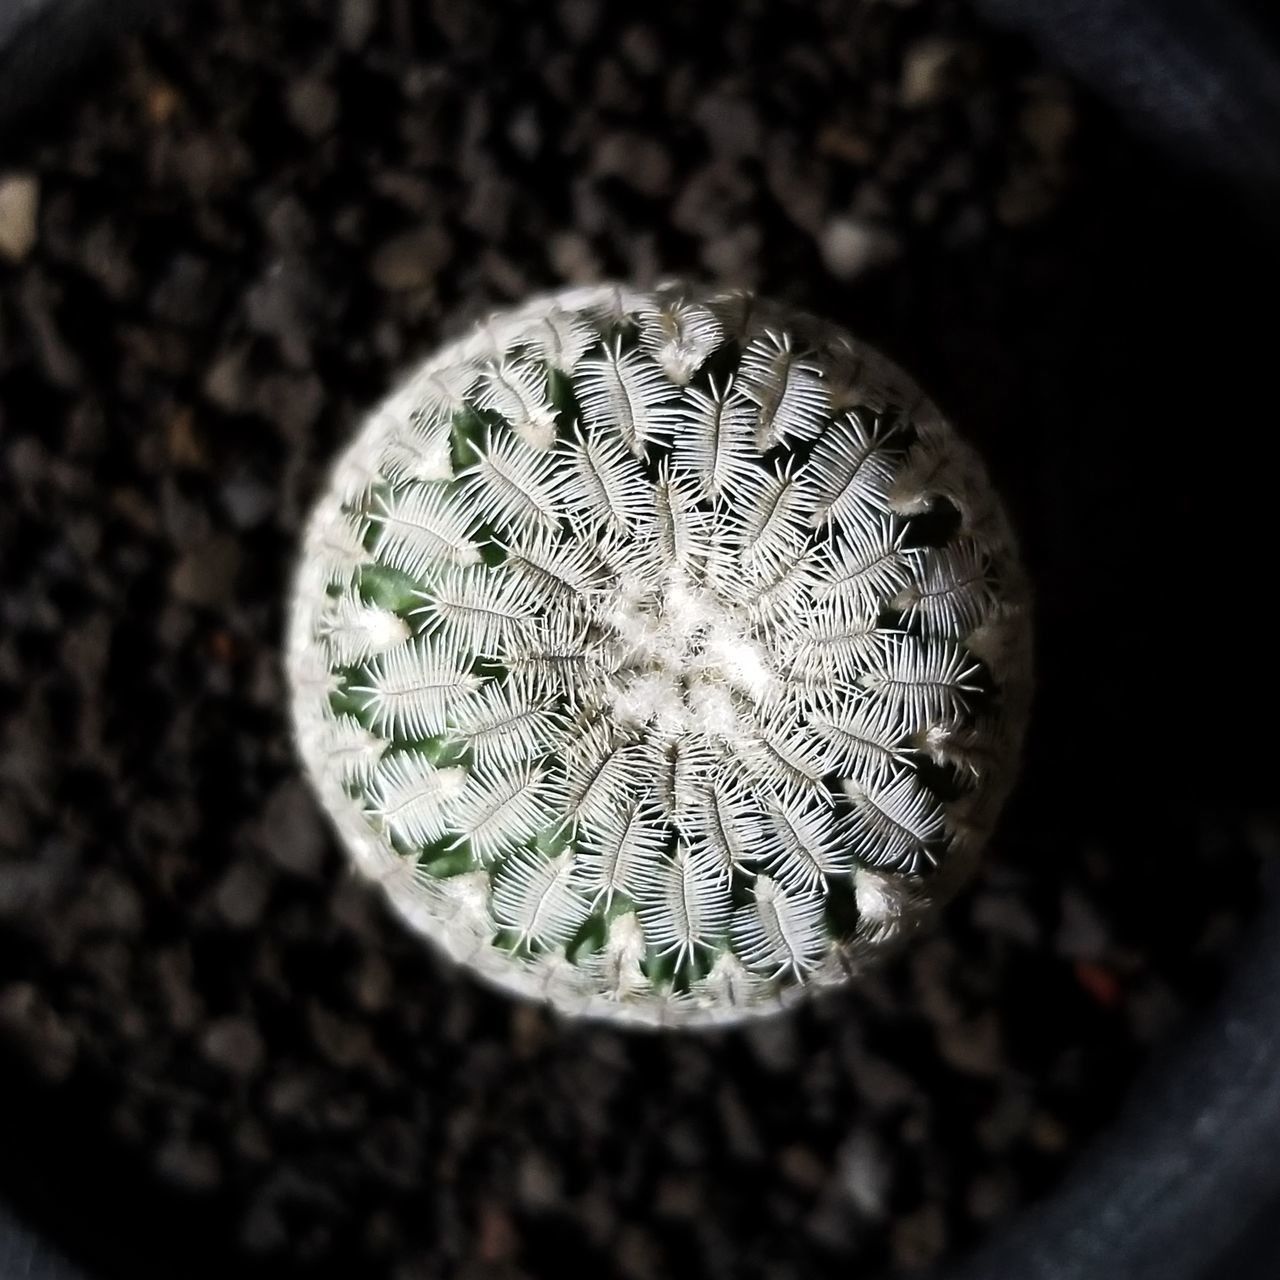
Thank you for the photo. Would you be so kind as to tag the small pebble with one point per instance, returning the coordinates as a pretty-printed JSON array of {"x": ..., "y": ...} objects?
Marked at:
[
  {"x": 735, "y": 256},
  {"x": 185, "y": 443},
  {"x": 919, "y": 1238},
  {"x": 235, "y": 1045},
  {"x": 538, "y": 1182},
  {"x": 639, "y": 161},
  {"x": 740, "y": 1134},
  {"x": 851, "y": 247},
  {"x": 356, "y": 19},
  {"x": 801, "y": 1166},
  {"x": 412, "y": 260},
  {"x": 291, "y": 830},
  {"x": 1048, "y": 122},
  {"x": 37, "y": 305},
  {"x": 248, "y": 501},
  {"x": 263, "y": 1229},
  {"x": 525, "y": 132},
  {"x": 497, "y": 1240},
  {"x": 206, "y": 575},
  {"x": 19, "y": 212},
  {"x": 864, "y": 1171},
  {"x": 241, "y": 895},
  {"x": 188, "y": 1165},
  {"x": 773, "y": 1043},
  {"x": 925, "y": 71},
  {"x": 40, "y": 1035},
  {"x": 344, "y": 1042},
  {"x": 1006, "y": 915},
  {"x": 25, "y": 887},
  {"x": 183, "y": 1008},
  {"x": 637, "y": 1256},
  {"x": 112, "y": 905},
  {"x": 573, "y": 259},
  {"x": 1048, "y": 1132},
  {"x": 1082, "y": 933},
  {"x": 312, "y": 106},
  {"x": 732, "y": 124},
  {"x": 185, "y": 292},
  {"x": 973, "y": 1046}
]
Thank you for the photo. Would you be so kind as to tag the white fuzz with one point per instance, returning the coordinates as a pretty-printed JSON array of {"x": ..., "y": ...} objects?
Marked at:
[
  {"x": 617, "y": 636},
  {"x": 518, "y": 392},
  {"x": 352, "y": 630},
  {"x": 679, "y": 336},
  {"x": 879, "y": 897}
]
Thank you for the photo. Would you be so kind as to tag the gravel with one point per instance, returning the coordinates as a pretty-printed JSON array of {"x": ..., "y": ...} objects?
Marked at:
[{"x": 218, "y": 1050}]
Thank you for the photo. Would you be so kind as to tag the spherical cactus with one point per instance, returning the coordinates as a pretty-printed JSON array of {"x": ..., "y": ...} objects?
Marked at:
[{"x": 663, "y": 654}]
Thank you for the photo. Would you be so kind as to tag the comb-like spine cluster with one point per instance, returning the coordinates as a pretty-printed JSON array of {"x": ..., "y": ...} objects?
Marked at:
[{"x": 663, "y": 654}]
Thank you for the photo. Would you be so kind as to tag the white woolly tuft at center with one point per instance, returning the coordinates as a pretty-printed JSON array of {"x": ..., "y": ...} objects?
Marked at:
[{"x": 679, "y": 658}]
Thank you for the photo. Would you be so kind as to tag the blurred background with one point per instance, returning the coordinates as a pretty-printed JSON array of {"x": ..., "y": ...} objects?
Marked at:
[{"x": 223, "y": 237}]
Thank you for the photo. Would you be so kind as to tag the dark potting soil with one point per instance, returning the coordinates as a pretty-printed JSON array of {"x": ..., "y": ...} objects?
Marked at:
[{"x": 216, "y": 1048}]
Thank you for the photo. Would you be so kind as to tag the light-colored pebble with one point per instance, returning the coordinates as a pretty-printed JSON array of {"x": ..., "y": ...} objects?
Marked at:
[
  {"x": 851, "y": 247},
  {"x": 924, "y": 71},
  {"x": 313, "y": 106},
  {"x": 19, "y": 214},
  {"x": 572, "y": 258},
  {"x": 356, "y": 19},
  {"x": 234, "y": 1044},
  {"x": 864, "y": 1173}
]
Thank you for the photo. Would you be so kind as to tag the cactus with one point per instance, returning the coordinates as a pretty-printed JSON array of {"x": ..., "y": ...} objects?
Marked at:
[{"x": 664, "y": 654}]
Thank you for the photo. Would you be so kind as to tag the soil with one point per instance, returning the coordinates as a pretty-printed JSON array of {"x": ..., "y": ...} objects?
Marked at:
[{"x": 217, "y": 1049}]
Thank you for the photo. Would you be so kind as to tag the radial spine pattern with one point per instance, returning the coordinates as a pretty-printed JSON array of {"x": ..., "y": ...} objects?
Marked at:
[{"x": 664, "y": 654}]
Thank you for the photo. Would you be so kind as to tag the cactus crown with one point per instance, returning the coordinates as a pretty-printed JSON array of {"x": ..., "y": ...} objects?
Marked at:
[{"x": 661, "y": 653}]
